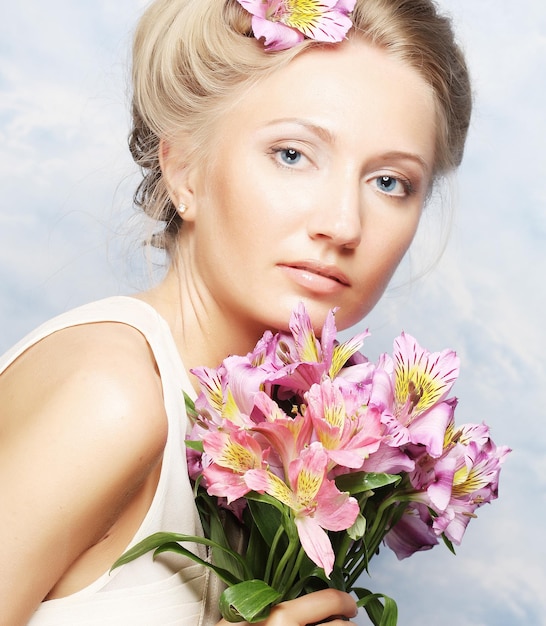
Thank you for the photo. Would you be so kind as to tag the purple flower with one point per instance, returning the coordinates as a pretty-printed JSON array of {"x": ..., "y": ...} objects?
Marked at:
[
  {"x": 452, "y": 487},
  {"x": 413, "y": 532},
  {"x": 285, "y": 23},
  {"x": 477, "y": 463},
  {"x": 411, "y": 392}
]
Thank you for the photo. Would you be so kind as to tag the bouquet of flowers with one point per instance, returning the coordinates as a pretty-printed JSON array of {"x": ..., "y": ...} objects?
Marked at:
[{"x": 317, "y": 457}]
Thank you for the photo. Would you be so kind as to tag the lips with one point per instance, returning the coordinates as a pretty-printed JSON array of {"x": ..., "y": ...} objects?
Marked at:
[{"x": 320, "y": 269}]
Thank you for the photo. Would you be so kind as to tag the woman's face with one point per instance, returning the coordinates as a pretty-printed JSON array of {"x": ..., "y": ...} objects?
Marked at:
[{"x": 315, "y": 189}]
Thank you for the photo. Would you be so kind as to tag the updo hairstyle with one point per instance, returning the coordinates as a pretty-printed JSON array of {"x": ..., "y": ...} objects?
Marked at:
[{"x": 193, "y": 58}]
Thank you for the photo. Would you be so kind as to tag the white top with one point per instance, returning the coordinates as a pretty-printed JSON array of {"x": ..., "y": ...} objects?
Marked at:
[{"x": 172, "y": 589}]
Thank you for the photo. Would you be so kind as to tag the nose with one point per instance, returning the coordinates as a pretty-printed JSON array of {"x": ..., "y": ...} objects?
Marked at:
[{"x": 337, "y": 215}]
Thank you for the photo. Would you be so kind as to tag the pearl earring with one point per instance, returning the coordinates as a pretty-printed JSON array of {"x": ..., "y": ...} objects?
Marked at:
[{"x": 182, "y": 208}]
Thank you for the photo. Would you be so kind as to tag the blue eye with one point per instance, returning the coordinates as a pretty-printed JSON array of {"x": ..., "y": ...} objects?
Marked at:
[
  {"x": 393, "y": 186},
  {"x": 387, "y": 183},
  {"x": 290, "y": 156}
]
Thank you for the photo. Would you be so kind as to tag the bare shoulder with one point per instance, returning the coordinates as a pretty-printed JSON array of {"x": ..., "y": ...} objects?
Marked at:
[
  {"x": 82, "y": 433},
  {"x": 101, "y": 376}
]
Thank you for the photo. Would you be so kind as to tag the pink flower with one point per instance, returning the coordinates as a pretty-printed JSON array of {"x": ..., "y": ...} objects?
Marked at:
[
  {"x": 477, "y": 462},
  {"x": 452, "y": 486},
  {"x": 306, "y": 360},
  {"x": 412, "y": 391},
  {"x": 285, "y": 23},
  {"x": 232, "y": 455},
  {"x": 216, "y": 402},
  {"x": 316, "y": 502},
  {"x": 228, "y": 391},
  {"x": 287, "y": 435},
  {"x": 301, "y": 410},
  {"x": 344, "y": 426},
  {"x": 422, "y": 379}
]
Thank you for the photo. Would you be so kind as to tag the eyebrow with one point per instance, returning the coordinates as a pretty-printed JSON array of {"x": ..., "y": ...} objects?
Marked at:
[
  {"x": 327, "y": 136},
  {"x": 320, "y": 131},
  {"x": 407, "y": 156}
]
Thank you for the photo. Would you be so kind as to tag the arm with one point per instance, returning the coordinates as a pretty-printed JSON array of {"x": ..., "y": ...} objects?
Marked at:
[{"x": 82, "y": 428}]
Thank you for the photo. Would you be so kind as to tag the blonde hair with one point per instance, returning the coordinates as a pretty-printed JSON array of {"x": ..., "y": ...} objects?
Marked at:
[{"x": 191, "y": 59}]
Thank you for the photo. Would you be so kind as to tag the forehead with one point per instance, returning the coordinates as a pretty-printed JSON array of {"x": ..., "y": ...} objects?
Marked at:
[{"x": 353, "y": 90}]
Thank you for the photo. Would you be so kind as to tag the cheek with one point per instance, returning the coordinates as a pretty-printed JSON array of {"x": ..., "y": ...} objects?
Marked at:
[
  {"x": 390, "y": 239},
  {"x": 380, "y": 254},
  {"x": 399, "y": 245}
]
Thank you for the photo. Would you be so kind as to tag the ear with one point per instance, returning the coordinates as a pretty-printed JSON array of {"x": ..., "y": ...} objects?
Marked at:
[{"x": 177, "y": 174}]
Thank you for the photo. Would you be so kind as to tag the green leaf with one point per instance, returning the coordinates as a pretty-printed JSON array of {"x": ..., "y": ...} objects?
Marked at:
[
  {"x": 248, "y": 601},
  {"x": 255, "y": 550},
  {"x": 358, "y": 529},
  {"x": 170, "y": 542},
  {"x": 193, "y": 415},
  {"x": 224, "y": 575},
  {"x": 380, "y": 614},
  {"x": 449, "y": 544},
  {"x": 359, "y": 482},
  {"x": 267, "y": 517},
  {"x": 220, "y": 525},
  {"x": 264, "y": 497},
  {"x": 194, "y": 445}
]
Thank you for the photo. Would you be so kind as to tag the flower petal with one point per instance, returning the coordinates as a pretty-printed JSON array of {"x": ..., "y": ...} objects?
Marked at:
[
  {"x": 307, "y": 346},
  {"x": 331, "y": 27},
  {"x": 412, "y": 533},
  {"x": 388, "y": 460},
  {"x": 335, "y": 510},
  {"x": 422, "y": 379},
  {"x": 255, "y": 8},
  {"x": 429, "y": 429},
  {"x": 316, "y": 544},
  {"x": 224, "y": 483}
]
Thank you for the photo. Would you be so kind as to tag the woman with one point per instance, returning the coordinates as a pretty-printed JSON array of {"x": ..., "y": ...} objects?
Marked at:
[{"x": 280, "y": 175}]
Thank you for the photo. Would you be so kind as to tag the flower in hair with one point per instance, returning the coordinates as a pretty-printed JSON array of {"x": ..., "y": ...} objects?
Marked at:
[{"x": 284, "y": 23}]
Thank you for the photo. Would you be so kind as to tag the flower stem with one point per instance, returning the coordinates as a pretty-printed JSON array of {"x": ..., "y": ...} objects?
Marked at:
[
  {"x": 374, "y": 535},
  {"x": 294, "y": 571},
  {"x": 272, "y": 554},
  {"x": 282, "y": 566},
  {"x": 343, "y": 550}
]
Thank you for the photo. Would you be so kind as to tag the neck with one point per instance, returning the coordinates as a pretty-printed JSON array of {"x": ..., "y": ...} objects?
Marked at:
[{"x": 204, "y": 335}]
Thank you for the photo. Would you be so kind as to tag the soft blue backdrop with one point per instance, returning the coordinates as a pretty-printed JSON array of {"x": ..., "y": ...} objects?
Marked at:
[{"x": 67, "y": 236}]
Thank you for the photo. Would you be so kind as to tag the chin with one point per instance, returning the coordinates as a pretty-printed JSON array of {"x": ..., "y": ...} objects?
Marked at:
[{"x": 346, "y": 315}]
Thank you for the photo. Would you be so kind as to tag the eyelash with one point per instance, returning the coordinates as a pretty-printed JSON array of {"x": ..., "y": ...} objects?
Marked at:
[{"x": 406, "y": 183}]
